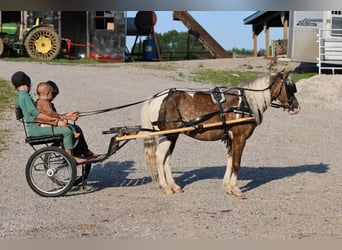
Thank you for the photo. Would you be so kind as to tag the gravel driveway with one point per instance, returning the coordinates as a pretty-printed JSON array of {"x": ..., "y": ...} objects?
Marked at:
[{"x": 291, "y": 168}]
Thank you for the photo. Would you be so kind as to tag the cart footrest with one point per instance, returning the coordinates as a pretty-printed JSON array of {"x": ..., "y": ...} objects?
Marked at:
[
  {"x": 125, "y": 130},
  {"x": 98, "y": 158},
  {"x": 112, "y": 148}
]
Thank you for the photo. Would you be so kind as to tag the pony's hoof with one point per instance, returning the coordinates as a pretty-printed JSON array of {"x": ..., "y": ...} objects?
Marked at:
[
  {"x": 178, "y": 190},
  {"x": 235, "y": 191},
  {"x": 167, "y": 191}
]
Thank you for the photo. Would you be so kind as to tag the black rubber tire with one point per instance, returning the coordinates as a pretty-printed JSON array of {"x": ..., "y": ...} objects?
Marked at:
[
  {"x": 42, "y": 44},
  {"x": 50, "y": 172}
]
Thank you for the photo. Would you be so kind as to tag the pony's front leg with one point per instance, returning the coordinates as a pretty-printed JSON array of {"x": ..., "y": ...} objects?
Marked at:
[
  {"x": 230, "y": 179},
  {"x": 228, "y": 173},
  {"x": 233, "y": 164}
]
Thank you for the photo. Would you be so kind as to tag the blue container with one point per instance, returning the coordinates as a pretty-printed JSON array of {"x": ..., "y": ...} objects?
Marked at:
[{"x": 149, "y": 49}]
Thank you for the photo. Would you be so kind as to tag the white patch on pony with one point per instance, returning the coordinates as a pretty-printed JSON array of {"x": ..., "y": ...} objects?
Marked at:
[
  {"x": 230, "y": 133},
  {"x": 154, "y": 107},
  {"x": 192, "y": 94},
  {"x": 237, "y": 114},
  {"x": 258, "y": 101}
]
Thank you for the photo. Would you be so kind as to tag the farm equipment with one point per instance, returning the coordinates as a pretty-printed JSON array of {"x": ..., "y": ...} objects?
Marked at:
[{"x": 40, "y": 42}]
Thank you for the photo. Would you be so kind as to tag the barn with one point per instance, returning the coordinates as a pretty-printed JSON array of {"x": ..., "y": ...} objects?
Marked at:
[{"x": 97, "y": 33}]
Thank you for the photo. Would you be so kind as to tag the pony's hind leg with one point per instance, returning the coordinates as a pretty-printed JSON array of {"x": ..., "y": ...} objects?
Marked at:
[
  {"x": 163, "y": 156},
  {"x": 169, "y": 178}
]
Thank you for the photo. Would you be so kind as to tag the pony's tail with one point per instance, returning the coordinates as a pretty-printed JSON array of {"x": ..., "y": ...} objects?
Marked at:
[{"x": 150, "y": 143}]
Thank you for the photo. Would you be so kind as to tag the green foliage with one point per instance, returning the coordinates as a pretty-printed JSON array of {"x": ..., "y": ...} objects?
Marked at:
[
  {"x": 7, "y": 99},
  {"x": 174, "y": 45},
  {"x": 243, "y": 52}
]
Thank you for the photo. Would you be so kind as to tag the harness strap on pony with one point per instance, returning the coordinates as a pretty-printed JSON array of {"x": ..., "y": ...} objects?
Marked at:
[
  {"x": 240, "y": 110},
  {"x": 218, "y": 97},
  {"x": 179, "y": 118}
]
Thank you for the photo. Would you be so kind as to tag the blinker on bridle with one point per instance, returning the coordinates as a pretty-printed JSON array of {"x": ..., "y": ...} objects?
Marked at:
[{"x": 291, "y": 89}]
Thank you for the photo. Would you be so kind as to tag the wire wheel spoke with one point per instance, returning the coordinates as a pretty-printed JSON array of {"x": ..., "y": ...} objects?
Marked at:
[{"x": 50, "y": 172}]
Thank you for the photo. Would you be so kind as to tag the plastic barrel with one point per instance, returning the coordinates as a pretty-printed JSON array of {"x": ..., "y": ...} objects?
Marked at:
[{"x": 149, "y": 50}]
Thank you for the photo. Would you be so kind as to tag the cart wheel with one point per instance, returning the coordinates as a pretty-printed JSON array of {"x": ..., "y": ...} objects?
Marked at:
[
  {"x": 42, "y": 43},
  {"x": 50, "y": 172},
  {"x": 1, "y": 47}
]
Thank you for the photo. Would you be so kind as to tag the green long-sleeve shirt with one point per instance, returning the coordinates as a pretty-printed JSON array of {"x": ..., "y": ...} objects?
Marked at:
[{"x": 30, "y": 112}]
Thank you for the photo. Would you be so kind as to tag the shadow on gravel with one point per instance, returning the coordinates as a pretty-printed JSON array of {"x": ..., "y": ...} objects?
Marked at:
[
  {"x": 257, "y": 175},
  {"x": 113, "y": 174}
]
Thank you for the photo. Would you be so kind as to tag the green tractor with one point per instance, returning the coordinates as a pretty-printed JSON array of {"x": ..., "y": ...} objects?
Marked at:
[{"x": 40, "y": 42}]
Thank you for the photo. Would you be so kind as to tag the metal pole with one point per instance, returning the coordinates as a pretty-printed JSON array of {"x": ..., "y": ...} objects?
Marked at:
[
  {"x": 59, "y": 16},
  {"x": 87, "y": 34}
]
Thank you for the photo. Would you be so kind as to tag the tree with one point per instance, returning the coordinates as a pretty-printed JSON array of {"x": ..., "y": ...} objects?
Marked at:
[{"x": 174, "y": 45}]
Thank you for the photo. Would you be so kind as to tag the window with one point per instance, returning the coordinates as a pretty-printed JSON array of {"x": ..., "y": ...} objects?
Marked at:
[
  {"x": 104, "y": 20},
  {"x": 336, "y": 23}
]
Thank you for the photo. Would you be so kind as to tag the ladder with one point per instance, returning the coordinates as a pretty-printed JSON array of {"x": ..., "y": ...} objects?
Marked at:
[{"x": 207, "y": 41}]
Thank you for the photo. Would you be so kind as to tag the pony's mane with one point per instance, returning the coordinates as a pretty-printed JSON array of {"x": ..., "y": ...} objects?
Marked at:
[{"x": 258, "y": 100}]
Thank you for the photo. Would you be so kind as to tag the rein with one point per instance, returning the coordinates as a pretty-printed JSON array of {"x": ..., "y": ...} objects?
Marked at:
[
  {"x": 167, "y": 91},
  {"x": 94, "y": 112},
  {"x": 99, "y": 111}
]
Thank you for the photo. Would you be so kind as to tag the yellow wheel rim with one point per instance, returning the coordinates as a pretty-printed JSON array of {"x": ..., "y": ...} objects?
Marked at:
[{"x": 43, "y": 45}]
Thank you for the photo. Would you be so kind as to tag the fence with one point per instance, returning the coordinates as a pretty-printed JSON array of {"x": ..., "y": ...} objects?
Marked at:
[{"x": 329, "y": 50}]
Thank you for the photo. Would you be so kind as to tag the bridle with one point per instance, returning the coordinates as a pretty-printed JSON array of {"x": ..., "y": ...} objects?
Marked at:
[{"x": 291, "y": 89}]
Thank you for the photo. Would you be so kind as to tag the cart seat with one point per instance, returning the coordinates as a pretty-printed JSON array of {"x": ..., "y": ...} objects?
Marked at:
[
  {"x": 44, "y": 139},
  {"x": 36, "y": 140}
]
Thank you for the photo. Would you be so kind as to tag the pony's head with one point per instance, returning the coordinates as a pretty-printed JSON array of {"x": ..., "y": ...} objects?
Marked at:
[{"x": 283, "y": 91}]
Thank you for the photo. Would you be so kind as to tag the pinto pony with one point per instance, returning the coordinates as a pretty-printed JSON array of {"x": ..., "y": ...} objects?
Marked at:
[{"x": 177, "y": 108}]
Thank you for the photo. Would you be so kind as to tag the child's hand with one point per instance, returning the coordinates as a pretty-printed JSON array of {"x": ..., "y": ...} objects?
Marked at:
[
  {"x": 62, "y": 123},
  {"x": 74, "y": 115}
]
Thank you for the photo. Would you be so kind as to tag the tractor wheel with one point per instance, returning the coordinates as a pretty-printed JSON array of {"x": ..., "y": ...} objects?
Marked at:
[
  {"x": 42, "y": 43},
  {"x": 1, "y": 46}
]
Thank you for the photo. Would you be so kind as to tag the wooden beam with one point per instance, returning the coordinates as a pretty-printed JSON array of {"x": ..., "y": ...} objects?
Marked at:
[
  {"x": 286, "y": 24},
  {"x": 255, "y": 44},
  {"x": 267, "y": 40}
]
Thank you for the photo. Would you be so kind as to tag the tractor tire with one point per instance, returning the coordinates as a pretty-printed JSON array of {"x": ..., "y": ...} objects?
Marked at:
[
  {"x": 1, "y": 47},
  {"x": 42, "y": 44}
]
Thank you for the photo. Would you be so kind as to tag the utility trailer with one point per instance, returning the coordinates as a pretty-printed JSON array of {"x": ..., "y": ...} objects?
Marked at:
[{"x": 316, "y": 37}]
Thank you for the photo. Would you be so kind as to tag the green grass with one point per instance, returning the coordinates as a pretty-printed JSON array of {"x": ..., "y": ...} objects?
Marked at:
[
  {"x": 233, "y": 78},
  {"x": 223, "y": 77},
  {"x": 299, "y": 76},
  {"x": 85, "y": 61},
  {"x": 7, "y": 99},
  {"x": 7, "y": 96}
]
